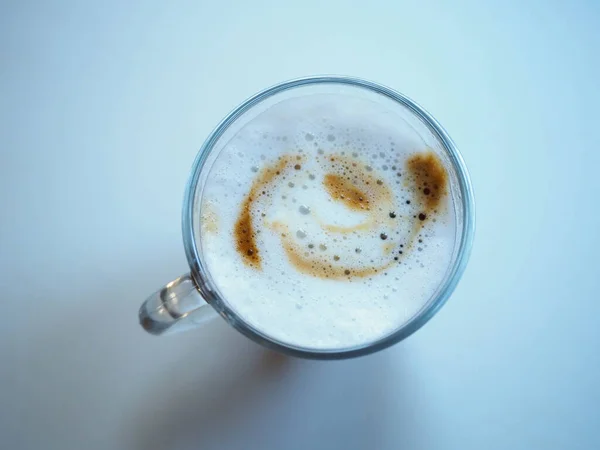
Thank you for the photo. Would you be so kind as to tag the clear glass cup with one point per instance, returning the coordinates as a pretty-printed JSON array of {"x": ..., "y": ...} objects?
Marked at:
[{"x": 193, "y": 298}]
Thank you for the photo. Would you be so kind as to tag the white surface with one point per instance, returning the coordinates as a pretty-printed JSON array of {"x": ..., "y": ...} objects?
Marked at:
[{"x": 103, "y": 107}]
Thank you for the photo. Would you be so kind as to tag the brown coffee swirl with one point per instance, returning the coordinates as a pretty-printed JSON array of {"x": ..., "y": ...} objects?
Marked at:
[{"x": 357, "y": 187}]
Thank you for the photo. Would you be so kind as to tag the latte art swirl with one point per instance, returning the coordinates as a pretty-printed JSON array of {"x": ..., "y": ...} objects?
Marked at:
[{"x": 320, "y": 248}]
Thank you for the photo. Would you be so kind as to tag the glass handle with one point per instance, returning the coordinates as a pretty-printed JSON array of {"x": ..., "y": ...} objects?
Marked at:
[{"x": 177, "y": 306}]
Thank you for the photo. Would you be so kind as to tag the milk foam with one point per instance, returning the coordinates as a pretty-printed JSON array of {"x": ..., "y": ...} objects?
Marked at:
[{"x": 299, "y": 308}]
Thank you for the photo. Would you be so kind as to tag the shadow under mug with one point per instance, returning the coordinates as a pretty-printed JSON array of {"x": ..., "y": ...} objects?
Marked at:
[{"x": 194, "y": 298}]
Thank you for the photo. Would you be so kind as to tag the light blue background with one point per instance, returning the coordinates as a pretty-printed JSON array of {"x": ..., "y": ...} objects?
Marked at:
[{"x": 103, "y": 106}]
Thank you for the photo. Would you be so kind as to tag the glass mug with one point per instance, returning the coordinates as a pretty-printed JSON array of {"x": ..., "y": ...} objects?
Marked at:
[{"x": 194, "y": 298}]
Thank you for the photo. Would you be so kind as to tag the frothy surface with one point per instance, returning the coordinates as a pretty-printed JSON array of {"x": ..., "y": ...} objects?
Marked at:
[{"x": 326, "y": 222}]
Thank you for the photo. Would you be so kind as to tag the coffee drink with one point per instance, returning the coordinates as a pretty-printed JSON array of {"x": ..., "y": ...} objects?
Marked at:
[{"x": 327, "y": 222}]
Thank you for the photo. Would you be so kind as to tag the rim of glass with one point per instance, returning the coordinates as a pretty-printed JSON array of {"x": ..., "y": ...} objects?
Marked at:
[{"x": 202, "y": 276}]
